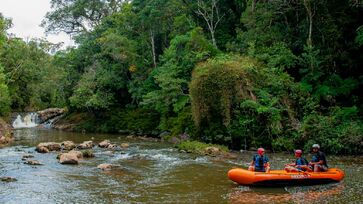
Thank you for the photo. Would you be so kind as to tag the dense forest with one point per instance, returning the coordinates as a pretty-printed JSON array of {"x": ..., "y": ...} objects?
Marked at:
[{"x": 242, "y": 73}]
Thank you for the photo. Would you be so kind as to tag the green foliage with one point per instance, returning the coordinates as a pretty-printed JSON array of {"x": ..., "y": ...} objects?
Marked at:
[
  {"x": 217, "y": 84},
  {"x": 148, "y": 66},
  {"x": 136, "y": 121},
  {"x": 198, "y": 147},
  {"x": 239, "y": 102},
  {"x": 78, "y": 16},
  {"x": 172, "y": 77},
  {"x": 88, "y": 95},
  {"x": 359, "y": 38},
  {"x": 5, "y": 100},
  {"x": 4, "y": 95},
  {"x": 33, "y": 82},
  {"x": 339, "y": 132}
]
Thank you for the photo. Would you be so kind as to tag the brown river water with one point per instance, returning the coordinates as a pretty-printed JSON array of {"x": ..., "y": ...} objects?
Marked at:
[{"x": 153, "y": 172}]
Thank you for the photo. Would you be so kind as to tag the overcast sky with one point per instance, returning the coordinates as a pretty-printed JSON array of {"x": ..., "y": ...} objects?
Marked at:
[{"x": 27, "y": 16}]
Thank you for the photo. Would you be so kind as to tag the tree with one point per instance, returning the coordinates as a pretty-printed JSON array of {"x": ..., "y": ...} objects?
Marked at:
[
  {"x": 4, "y": 94},
  {"x": 210, "y": 12},
  {"x": 171, "y": 78},
  {"x": 78, "y": 16}
]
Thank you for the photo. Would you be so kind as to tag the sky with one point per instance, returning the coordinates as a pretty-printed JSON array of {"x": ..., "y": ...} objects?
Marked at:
[{"x": 27, "y": 16}]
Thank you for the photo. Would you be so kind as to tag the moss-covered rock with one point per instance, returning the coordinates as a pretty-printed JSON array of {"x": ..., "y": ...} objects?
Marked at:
[
  {"x": 202, "y": 148},
  {"x": 88, "y": 153}
]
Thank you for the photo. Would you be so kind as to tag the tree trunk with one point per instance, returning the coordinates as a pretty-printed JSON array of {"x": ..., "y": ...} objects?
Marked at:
[
  {"x": 152, "y": 41},
  {"x": 307, "y": 4},
  {"x": 213, "y": 38}
]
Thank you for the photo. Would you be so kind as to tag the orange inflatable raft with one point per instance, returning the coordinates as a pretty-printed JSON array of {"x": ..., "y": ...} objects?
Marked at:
[{"x": 282, "y": 177}]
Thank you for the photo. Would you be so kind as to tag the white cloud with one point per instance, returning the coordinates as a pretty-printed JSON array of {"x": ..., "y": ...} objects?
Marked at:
[{"x": 27, "y": 16}]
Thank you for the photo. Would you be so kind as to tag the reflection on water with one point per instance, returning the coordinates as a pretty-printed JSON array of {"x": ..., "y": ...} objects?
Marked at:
[
  {"x": 307, "y": 194},
  {"x": 151, "y": 172}
]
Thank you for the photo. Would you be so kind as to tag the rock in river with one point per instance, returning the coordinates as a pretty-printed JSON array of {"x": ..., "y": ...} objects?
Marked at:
[
  {"x": 105, "y": 167},
  {"x": 68, "y": 145},
  {"x": 78, "y": 154},
  {"x": 86, "y": 145},
  {"x": 32, "y": 162},
  {"x": 45, "y": 147},
  {"x": 50, "y": 113},
  {"x": 104, "y": 144},
  {"x": 42, "y": 149},
  {"x": 125, "y": 145},
  {"x": 87, "y": 153},
  {"x": 212, "y": 151},
  {"x": 68, "y": 158},
  {"x": 27, "y": 156},
  {"x": 7, "y": 179}
]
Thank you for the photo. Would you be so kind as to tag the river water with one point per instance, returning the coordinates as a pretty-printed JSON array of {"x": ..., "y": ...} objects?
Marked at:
[{"x": 152, "y": 172}]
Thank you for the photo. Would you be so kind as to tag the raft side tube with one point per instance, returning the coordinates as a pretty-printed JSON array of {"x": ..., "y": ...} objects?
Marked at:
[{"x": 281, "y": 177}]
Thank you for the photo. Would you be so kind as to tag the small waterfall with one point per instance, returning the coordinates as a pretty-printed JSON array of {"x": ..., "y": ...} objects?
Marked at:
[
  {"x": 30, "y": 120},
  {"x": 49, "y": 124}
]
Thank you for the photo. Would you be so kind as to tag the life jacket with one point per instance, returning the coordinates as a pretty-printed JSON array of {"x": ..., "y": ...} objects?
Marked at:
[
  {"x": 301, "y": 161},
  {"x": 260, "y": 162},
  {"x": 320, "y": 156},
  {"x": 315, "y": 158}
]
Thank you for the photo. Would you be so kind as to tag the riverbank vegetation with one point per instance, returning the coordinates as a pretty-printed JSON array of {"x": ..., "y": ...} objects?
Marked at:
[{"x": 242, "y": 73}]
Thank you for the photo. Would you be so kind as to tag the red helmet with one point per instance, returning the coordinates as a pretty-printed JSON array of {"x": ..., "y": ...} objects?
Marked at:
[
  {"x": 298, "y": 152},
  {"x": 260, "y": 151}
]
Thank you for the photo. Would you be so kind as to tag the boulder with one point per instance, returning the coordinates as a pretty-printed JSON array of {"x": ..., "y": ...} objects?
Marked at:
[
  {"x": 78, "y": 154},
  {"x": 104, "y": 144},
  {"x": 3, "y": 139},
  {"x": 68, "y": 145},
  {"x": 32, "y": 162},
  {"x": 112, "y": 146},
  {"x": 42, "y": 149},
  {"x": 51, "y": 146},
  {"x": 86, "y": 145},
  {"x": 125, "y": 145},
  {"x": 105, "y": 167},
  {"x": 87, "y": 153},
  {"x": 68, "y": 158},
  {"x": 50, "y": 113},
  {"x": 212, "y": 150}
]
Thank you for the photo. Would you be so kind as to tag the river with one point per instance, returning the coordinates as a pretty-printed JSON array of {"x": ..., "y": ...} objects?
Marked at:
[{"x": 152, "y": 172}]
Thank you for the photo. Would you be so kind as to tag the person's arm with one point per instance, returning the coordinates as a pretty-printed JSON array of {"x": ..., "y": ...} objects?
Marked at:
[
  {"x": 253, "y": 161},
  {"x": 267, "y": 162},
  {"x": 291, "y": 164}
]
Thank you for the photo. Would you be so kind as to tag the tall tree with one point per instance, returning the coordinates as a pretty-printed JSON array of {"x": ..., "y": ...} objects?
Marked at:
[
  {"x": 78, "y": 16},
  {"x": 210, "y": 11},
  {"x": 4, "y": 92}
]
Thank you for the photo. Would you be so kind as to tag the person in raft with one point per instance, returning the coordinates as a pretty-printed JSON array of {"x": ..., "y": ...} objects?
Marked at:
[
  {"x": 318, "y": 162},
  {"x": 301, "y": 164},
  {"x": 260, "y": 162}
]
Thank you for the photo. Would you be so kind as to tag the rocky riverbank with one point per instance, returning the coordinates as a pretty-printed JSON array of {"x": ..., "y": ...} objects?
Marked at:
[{"x": 6, "y": 133}]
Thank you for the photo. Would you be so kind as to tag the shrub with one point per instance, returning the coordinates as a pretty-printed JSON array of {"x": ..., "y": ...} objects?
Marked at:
[
  {"x": 198, "y": 147},
  {"x": 338, "y": 132}
]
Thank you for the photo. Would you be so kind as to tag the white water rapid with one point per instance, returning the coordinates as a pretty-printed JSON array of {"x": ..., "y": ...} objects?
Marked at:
[{"x": 29, "y": 121}]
